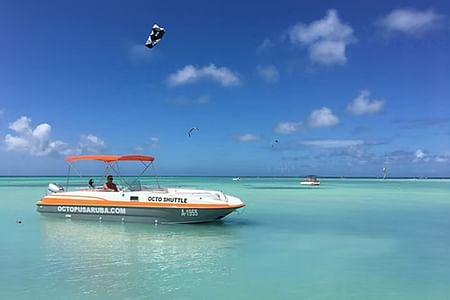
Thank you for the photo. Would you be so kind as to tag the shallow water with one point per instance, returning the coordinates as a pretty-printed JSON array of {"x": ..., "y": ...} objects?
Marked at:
[{"x": 347, "y": 239}]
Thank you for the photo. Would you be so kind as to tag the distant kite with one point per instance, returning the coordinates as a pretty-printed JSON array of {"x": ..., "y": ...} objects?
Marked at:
[
  {"x": 274, "y": 142},
  {"x": 155, "y": 36},
  {"x": 192, "y": 129}
]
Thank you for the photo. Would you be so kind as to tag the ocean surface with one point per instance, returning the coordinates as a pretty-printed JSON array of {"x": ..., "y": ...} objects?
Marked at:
[{"x": 347, "y": 239}]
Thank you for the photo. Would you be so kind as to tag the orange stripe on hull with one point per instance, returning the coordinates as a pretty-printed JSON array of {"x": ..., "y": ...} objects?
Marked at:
[{"x": 101, "y": 202}]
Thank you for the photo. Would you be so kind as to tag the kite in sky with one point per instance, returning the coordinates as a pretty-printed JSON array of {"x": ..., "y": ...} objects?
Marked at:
[
  {"x": 274, "y": 142},
  {"x": 155, "y": 36},
  {"x": 192, "y": 129}
]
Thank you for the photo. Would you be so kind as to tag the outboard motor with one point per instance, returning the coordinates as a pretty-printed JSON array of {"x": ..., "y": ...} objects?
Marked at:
[{"x": 54, "y": 188}]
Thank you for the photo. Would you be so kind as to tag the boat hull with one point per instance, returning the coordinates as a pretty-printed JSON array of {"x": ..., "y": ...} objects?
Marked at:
[
  {"x": 309, "y": 183},
  {"x": 135, "y": 214}
]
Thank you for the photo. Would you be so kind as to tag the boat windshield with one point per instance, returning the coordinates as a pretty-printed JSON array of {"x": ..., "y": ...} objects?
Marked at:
[{"x": 135, "y": 186}]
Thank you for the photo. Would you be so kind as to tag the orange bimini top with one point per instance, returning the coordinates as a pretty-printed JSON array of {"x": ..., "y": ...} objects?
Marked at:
[{"x": 109, "y": 158}]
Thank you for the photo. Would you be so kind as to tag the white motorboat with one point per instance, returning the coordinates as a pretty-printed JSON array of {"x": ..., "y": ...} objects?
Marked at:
[
  {"x": 310, "y": 180},
  {"x": 134, "y": 203}
]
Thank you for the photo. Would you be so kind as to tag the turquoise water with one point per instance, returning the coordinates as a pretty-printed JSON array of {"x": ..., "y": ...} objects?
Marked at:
[{"x": 347, "y": 239}]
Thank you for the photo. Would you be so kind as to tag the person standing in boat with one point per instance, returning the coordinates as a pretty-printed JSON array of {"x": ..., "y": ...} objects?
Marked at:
[{"x": 109, "y": 185}]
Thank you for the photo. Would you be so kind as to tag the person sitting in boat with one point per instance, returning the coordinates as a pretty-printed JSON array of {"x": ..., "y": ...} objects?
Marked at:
[{"x": 109, "y": 185}]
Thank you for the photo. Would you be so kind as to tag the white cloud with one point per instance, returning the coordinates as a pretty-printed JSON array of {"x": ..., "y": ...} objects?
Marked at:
[
  {"x": 191, "y": 74},
  {"x": 188, "y": 74},
  {"x": 266, "y": 44},
  {"x": 333, "y": 143},
  {"x": 362, "y": 105},
  {"x": 91, "y": 143},
  {"x": 21, "y": 125},
  {"x": 154, "y": 142},
  {"x": 41, "y": 136},
  {"x": 248, "y": 137},
  {"x": 328, "y": 52},
  {"x": 441, "y": 159},
  {"x": 326, "y": 39},
  {"x": 288, "y": 127},
  {"x": 323, "y": 117},
  {"x": 268, "y": 72},
  {"x": 421, "y": 155},
  {"x": 35, "y": 141},
  {"x": 15, "y": 143},
  {"x": 63, "y": 148},
  {"x": 140, "y": 53},
  {"x": 410, "y": 21},
  {"x": 417, "y": 156}
]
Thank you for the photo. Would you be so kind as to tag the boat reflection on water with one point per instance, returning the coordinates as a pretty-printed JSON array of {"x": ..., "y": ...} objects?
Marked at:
[{"x": 135, "y": 259}]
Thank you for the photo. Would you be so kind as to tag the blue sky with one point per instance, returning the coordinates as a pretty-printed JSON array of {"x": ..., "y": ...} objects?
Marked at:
[{"x": 346, "y": 89}]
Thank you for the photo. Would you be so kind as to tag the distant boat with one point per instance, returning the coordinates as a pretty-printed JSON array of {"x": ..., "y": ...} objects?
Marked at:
[
  {"x": 384, "y": 172},
  {"x": 236, "y": 178},
  {"x": 310, "y": 180}
]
